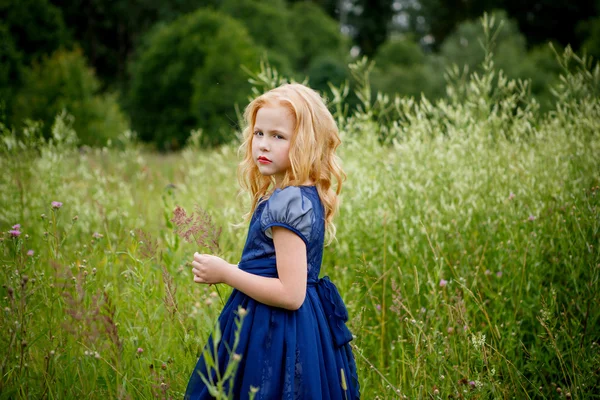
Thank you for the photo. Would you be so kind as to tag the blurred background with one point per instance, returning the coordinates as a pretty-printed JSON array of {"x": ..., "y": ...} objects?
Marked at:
[{"x": 165, "y": 68}]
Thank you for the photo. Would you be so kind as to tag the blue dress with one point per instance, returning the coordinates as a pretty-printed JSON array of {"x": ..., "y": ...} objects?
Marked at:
[{"x": 286, "y": 354}]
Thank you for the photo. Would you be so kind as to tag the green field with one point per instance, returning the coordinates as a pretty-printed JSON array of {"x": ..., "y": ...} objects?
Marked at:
[{"x": 467, "y": 249}]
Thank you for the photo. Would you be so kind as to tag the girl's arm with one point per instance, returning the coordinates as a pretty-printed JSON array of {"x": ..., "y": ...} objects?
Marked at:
[{"x": 288, "y": 291}]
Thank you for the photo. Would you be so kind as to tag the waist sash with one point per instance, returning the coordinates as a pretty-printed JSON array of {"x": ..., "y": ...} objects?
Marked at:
[{"x": 333, "y": 305}]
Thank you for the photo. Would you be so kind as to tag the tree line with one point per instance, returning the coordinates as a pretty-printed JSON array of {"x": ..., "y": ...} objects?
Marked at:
[{"x": 166, "y": 68}]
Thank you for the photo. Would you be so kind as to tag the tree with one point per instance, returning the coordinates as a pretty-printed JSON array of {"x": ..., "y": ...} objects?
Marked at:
[
  {"x": 188, "y": 75},
  {"x": 64, "y": 81},
  {"x": 269, "y": 25},
  {"x": 370, "y": 20},
  {"x": 402, "y": 68},
  {"x": 109, "y": 31},
  {"x": 317, "y": 34}
]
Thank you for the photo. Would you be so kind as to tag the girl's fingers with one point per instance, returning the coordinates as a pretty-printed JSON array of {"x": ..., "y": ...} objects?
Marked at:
[{"x": 197, "y": 279}]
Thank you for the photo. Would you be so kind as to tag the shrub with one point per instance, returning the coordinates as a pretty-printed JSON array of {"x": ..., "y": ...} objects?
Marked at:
[
  {"x": 188, "y": 76},
  {"x": 64, "y": 81}
]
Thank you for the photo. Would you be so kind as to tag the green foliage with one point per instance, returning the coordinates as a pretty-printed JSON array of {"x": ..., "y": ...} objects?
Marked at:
[
  {"x": 464, "y": 47},
  {"x": 316, "y": 34},
  {"x": 63, "y": 81},
  {"x": 592, "y": 44},
  {"x": 189, "y": 76},
  {"x": 25, "y": 36},
  {"x": 36, "y": 27},
  {"x": 268, "y": 23},
  {"x": 402, "y": 68},
  {"x": 10, "y": 66}
]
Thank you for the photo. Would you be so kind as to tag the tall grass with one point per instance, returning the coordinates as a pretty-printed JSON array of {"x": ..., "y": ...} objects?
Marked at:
[{"x": 467, "y": 248}]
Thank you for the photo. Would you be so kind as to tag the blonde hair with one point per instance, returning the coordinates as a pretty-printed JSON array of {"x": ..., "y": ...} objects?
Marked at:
[{"x": 312, "y": 149}]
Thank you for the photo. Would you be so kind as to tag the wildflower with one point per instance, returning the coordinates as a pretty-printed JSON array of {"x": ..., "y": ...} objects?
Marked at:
[
  {"x": 378, "y": 307},
  {"x": 30, "y": 253},
  {"x": 140, "y": 350},
  {"x": 56, "y": 205},
  {"x": 197, "y": 228},
  {"x": 499, "y": 274},
  {"x": 16, "y": 227},
  {"x": 472, "y": 384},
  {"x": 488, "y": 272},
  {"x": 531, "y": 218},
  {"x": 450, "y": 330},
  {"x": 443, "y": 282},
  {"x": 14, "y": 233},
  {"x": 511, "y": 196},
  {"x": 163, "y": 366},
  {"x": 43, "y": 216},
  {"x": 97, "y": 235},
  {"x": 96, "y": 355}
]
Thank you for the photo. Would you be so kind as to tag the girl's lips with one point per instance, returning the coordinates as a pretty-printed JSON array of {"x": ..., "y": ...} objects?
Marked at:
[{"x": 264, "y": 160}]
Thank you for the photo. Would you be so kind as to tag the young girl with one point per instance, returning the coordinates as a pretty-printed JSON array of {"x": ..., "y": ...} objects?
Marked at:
[{"x": 294, "y": 343}]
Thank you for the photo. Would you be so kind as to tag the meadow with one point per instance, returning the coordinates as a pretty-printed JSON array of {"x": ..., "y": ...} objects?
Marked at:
[{"x": 466, "y": 250}]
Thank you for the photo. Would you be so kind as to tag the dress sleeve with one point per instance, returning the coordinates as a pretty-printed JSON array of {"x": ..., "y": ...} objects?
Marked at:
[{"x": 289, "y": 209}]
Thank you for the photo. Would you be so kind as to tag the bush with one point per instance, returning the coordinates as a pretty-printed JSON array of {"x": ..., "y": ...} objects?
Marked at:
[
  {"x": 402, "y": 68},
  {"x": 275, "y": 36},
  {"x": 317, "y": 34},
  {"x": 64, "y": 81},
  {"x": 187, "y": 76}
]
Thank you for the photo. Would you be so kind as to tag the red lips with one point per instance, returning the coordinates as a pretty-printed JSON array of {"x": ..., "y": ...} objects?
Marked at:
[{"x": 263, "y": 159}]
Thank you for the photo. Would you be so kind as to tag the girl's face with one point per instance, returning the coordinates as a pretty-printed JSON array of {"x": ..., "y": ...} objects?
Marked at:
[{"x": 273, "y": 130}]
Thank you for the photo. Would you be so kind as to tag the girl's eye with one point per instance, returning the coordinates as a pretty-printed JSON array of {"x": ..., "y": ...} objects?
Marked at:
[
  {"x": 258, "y": 133},
  {"x": 279, "y": 137}
]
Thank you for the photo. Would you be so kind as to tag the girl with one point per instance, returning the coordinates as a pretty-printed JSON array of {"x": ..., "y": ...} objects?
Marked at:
[{"x": 294, "y": 343}]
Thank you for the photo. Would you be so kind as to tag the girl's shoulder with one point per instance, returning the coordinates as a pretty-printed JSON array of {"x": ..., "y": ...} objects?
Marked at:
[{"x": 293, "y": 207}]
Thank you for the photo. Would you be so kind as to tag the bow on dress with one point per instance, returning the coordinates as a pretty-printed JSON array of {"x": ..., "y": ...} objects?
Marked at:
[{"x": 335, "y": 310}]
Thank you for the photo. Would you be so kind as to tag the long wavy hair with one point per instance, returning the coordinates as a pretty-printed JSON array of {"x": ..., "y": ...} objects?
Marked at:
[{"x": 312, "y": 150}]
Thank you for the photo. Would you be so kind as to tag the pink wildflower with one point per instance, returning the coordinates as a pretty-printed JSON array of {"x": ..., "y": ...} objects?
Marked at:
[
  {"x": 378, "y": 307},
  {"x": 16, "y": 227},
  {"x": 56, "y": 205},
  {"x": 140, "y": 350},
  {"x": 499, "y": 274},
  {"x": 443, "y": 282},
  {"x": 97, "y": 235},
  {"x": 531, "y": 218},
  {"x": 511, "y": 196},
  {"x": 14, "y": 233},
  {"x": 30, "y": 253}
]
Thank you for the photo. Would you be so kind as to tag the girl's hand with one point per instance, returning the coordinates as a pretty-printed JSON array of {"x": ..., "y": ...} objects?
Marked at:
[{"x": 209, "y": 269}]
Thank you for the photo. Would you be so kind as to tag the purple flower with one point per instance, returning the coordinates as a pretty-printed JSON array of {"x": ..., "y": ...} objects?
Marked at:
[
  {"x": 30, "y": 253},
  {"x": 14, "y": 233},
  {"x": 378, "y": 307},
  {"x": 443, "y": 282},
  {"x": 531, "y": 218},
  {"x": 511, "y": 196},
  {"x": 499, "y": 274},
  {"x": 17, "y": 227},
  {"x": 56, "y": 205},
  {"x": 97, "y": 235},
  {"x": 140, "y": 350},
  {"x": 472, "y": 383}
]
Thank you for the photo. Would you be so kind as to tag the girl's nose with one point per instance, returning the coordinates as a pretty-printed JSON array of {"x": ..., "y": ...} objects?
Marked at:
[{"x": 263, "y": 145}]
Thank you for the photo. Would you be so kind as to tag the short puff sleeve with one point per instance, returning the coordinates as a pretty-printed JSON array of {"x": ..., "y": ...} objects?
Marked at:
[{"x": 289, "y": 209}]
